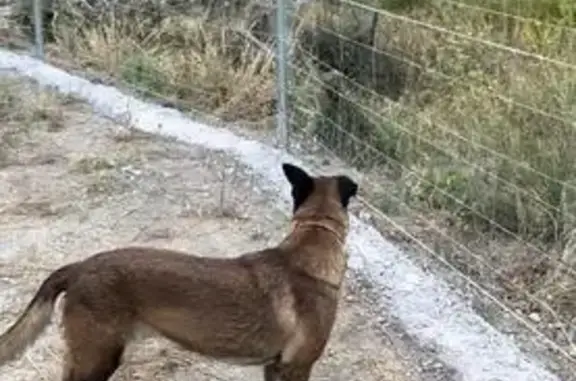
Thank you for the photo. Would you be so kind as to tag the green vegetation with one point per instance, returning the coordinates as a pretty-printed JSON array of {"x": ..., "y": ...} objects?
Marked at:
[{"x": 486, "y": 131}]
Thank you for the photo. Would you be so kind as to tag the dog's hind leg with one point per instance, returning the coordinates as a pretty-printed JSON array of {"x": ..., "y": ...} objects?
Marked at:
[
  {"x": 99, "y": 368},
  {"x": 287, "y": 372},
  {"x": 95, "y": 347}
]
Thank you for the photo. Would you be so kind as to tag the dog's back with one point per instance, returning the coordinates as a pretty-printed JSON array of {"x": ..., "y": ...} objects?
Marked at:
[{"x": 201, "y": 303}]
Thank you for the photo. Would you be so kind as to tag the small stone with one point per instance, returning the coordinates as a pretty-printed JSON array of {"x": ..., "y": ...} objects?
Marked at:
[
  {"x": 437, "y": 365},
  {"x": 535, "y": 317}
]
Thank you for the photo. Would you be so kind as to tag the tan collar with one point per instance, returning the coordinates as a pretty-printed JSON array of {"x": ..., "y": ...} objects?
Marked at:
[{"x": 319, "y": 224}]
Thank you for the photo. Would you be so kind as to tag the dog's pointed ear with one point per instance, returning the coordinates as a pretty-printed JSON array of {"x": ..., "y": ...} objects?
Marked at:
[
  {"x": 296, "y": 175},
  {"x": 302, "y": 183},
  {"x": 347, "y": 189}
]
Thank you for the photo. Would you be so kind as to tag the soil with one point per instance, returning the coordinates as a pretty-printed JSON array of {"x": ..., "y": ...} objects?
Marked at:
[{"x": 75, "y": 183}]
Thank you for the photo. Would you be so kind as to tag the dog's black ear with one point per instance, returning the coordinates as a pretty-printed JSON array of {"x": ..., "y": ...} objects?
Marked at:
[
  {"x": 302, "y": 183},
  {"x": 347, "y": 189}
]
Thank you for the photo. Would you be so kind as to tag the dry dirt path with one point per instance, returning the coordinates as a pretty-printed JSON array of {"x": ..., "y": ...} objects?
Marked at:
[{"x": 72, "y": 183}]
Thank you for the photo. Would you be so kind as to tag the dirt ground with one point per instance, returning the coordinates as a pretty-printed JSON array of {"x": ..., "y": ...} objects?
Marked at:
[{"x": 72, "y": 183}]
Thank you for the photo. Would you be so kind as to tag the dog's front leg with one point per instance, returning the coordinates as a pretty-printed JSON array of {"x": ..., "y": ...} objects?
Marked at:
[{"x": 287, "y": 372}]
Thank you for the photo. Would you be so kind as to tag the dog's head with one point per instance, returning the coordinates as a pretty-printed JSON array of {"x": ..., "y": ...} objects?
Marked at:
[{"x": 322, "y": 197}]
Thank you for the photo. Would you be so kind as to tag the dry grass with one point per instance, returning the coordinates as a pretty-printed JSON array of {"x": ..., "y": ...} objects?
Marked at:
[
  {"x": 183, "y": 61},
  {"x": 22, "y": 110}
]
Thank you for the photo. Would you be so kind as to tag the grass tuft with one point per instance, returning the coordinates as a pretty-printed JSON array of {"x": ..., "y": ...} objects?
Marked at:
[
  {"x": 198, "y": 66},
  {"x": 21, "y": 111}
]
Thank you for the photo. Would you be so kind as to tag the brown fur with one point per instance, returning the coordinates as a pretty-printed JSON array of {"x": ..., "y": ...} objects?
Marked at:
[{"x": 274, "y": 308}]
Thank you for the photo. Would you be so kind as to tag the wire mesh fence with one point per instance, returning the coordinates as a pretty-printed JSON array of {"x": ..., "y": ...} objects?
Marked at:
[
  {"x": 463, "y": 118},
  {"x": 465, "y": 125},
  {"x": 460, "y": 116}
]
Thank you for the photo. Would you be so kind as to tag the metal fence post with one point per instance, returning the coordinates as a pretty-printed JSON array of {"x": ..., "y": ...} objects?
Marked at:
[
  {"x": 38, "y": 29},
  {"x": 283, "y": 31}
]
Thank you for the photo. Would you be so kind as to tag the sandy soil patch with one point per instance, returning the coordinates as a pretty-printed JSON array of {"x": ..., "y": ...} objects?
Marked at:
[{"x": 72, "y": 183}]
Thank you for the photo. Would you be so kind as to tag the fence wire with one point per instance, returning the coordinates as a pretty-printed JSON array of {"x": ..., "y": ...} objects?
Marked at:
[
  {"x": 460, "y": 116},
  {"x": 461, "y": 147}
]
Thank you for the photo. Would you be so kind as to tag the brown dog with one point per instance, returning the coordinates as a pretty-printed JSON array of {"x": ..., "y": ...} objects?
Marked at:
[{"x": 274, "y": 307}]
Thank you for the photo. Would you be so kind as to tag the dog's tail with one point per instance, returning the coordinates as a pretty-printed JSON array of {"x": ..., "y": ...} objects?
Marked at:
[{"x": 36, "y": 316}]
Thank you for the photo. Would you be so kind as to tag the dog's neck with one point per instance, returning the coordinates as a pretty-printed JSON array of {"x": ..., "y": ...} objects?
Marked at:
[
  {"x": 322, "y": 224},
  {"x": 324, "y": 258}
]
